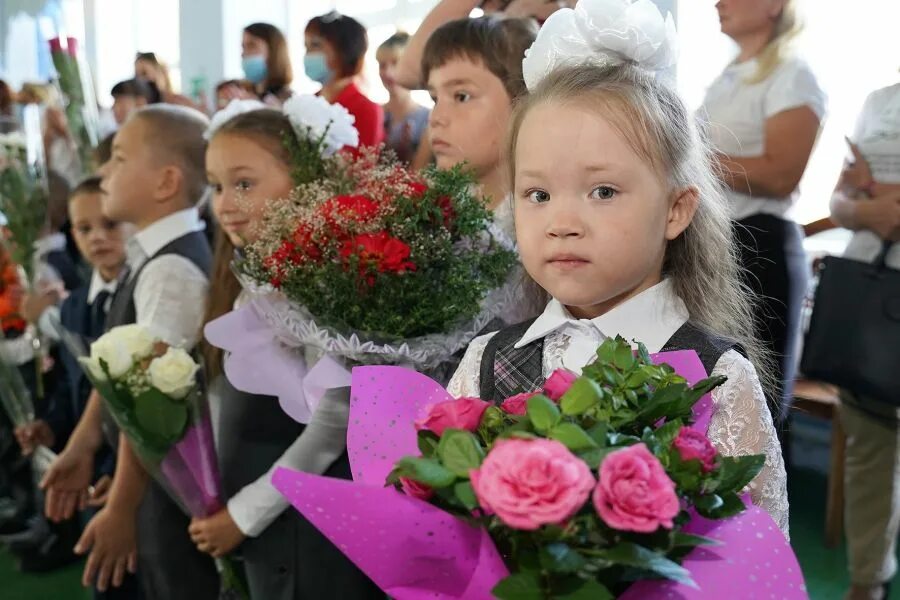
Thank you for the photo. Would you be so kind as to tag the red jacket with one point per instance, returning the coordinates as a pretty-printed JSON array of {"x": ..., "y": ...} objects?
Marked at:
[{"x": 369, "y": 115}]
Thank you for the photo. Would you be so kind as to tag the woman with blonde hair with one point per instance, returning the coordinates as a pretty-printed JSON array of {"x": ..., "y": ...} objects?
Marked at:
[{"x": 764, "y": 113}]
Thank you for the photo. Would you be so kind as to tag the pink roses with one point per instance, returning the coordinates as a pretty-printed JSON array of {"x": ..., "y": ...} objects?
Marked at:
[
  {"x": 516, "y": 405},
  {"x": 559, "y": 383},
  {"x": 693, "y": 445},
  {"x": 556, "y": 386},
  {"x": 413, "y": 488},
  {"x": 634, "y": 493},
  {"x": 463, "y": 413},
  {"x": 530, "y": 483}
]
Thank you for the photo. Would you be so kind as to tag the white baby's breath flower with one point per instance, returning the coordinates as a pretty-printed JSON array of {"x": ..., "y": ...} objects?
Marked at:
[
  {"x": 314, "y": 117},
  {"x": 174, "y": 373}
]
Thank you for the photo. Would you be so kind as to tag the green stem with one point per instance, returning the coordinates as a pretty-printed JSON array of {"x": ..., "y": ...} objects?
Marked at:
[{"x": 233, "y": 587}]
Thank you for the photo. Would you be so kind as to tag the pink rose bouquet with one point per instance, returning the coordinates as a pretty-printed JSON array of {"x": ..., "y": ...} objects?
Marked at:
[{"x": 586, "y": 485}]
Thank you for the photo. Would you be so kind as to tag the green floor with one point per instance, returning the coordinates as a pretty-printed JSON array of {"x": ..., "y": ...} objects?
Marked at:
[{"x": 825, "y": 570}]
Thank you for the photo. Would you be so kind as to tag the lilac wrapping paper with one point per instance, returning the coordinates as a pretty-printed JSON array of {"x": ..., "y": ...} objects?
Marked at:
[
  {"x": 414, "y": 550},
  {"x": 256, "y": 365},
  {"x": 191, "y": 473}
]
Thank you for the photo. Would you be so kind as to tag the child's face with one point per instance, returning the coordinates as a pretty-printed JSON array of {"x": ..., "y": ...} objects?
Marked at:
[
  {"x": 245, "y": 176},
  {"x": 132, "y": 176},
  {"x": 470, "y": 115},
  {"x": 592, "y": 217},
  {"x": 100, "y": 241},
  {"x": 124, "y": 105},
  {"x": 387, "y": 66}
]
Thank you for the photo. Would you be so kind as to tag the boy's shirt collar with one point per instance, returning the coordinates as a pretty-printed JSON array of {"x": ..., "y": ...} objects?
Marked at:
[
  {"x": 99, "y": 285},
  {"x": 148, "y": 242}
]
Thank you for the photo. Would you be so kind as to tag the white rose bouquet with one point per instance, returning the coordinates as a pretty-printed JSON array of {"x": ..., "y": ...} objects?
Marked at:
[{"x": 152, "y": 392}]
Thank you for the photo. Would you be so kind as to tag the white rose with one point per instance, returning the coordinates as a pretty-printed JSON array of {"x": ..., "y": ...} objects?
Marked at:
[
  {"x": 116, "y": 356},
  {"x": 133, "y": 339},
  {"x": 173, "y": 373},
  {"x": 314, "y": 116}
]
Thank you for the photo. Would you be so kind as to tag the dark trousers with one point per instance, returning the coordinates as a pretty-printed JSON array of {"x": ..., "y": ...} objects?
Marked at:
[
  {"x": 772, "y": 255},
  {"x": 169, "y": 565}
]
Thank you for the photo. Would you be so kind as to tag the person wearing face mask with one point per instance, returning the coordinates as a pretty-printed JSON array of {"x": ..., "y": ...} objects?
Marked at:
[
  {"x": 266, "y": 62},
  {"x": 336, "y": 47}
]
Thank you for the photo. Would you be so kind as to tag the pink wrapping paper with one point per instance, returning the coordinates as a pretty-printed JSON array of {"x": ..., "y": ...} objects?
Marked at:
[
  {"x": 413, "y": 550},
  {"x": 191, "y": 472},
  {"x": 409, "y": 548}
]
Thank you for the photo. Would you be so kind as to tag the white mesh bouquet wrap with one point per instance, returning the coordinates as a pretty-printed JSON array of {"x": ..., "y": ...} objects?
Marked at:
[{"x": 295, "y": 328}]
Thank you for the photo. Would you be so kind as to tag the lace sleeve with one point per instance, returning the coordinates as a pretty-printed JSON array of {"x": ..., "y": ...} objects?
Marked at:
[
  {"x": 466, "y": 381},
  {"x": 741, "y": 424}
]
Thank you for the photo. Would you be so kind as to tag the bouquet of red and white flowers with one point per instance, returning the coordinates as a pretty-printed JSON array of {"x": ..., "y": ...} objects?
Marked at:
[
  {"x": 364, "y": 262},
  {"x": 381, "y": 251}
]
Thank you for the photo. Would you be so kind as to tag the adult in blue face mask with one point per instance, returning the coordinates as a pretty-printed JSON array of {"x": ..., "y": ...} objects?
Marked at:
[
  {"x": 266, "y": 62},
  {"x": 335, "y": 52}
]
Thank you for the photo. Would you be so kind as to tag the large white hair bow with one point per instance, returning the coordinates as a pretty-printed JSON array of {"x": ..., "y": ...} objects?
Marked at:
[
  {"x": 234, "y": 108},
  {"x": 602, "y": 32},
  {"x": 310, "y": 116}
]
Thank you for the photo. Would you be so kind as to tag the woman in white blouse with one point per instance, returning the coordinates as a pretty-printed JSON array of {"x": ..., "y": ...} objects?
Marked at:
[
  {"x": 867, "y": 201},
  {"x": 764, "y": 113}
]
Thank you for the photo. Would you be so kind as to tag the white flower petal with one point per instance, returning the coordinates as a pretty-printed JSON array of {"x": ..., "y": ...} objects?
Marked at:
[
  {"x": 315, "y": 117},
  {"x": 174, "y": 373}
]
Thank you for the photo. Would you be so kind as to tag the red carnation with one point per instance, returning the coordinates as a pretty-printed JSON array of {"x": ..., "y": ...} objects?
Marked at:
[
  {"x": 378, "y": 251},
  {"x": 306, "y": 246},
  {"x": 276, "y": 262},
  {"x": 356, "y": 208}
]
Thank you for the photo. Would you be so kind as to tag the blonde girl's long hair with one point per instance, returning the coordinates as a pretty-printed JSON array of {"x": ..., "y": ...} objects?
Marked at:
[{"x": 702, "y": 262}]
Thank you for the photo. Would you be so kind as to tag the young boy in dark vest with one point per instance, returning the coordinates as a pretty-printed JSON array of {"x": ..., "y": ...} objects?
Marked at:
[{"x": 153, "y": 181}]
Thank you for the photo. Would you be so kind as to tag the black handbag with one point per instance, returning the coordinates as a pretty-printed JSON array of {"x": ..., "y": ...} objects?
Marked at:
[{"x": 853, "y": 340}]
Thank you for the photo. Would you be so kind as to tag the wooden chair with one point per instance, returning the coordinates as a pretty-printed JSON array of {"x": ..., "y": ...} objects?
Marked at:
[
  {"x": 814, "y": 227},
  {"x": 822, "y": 400}
]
